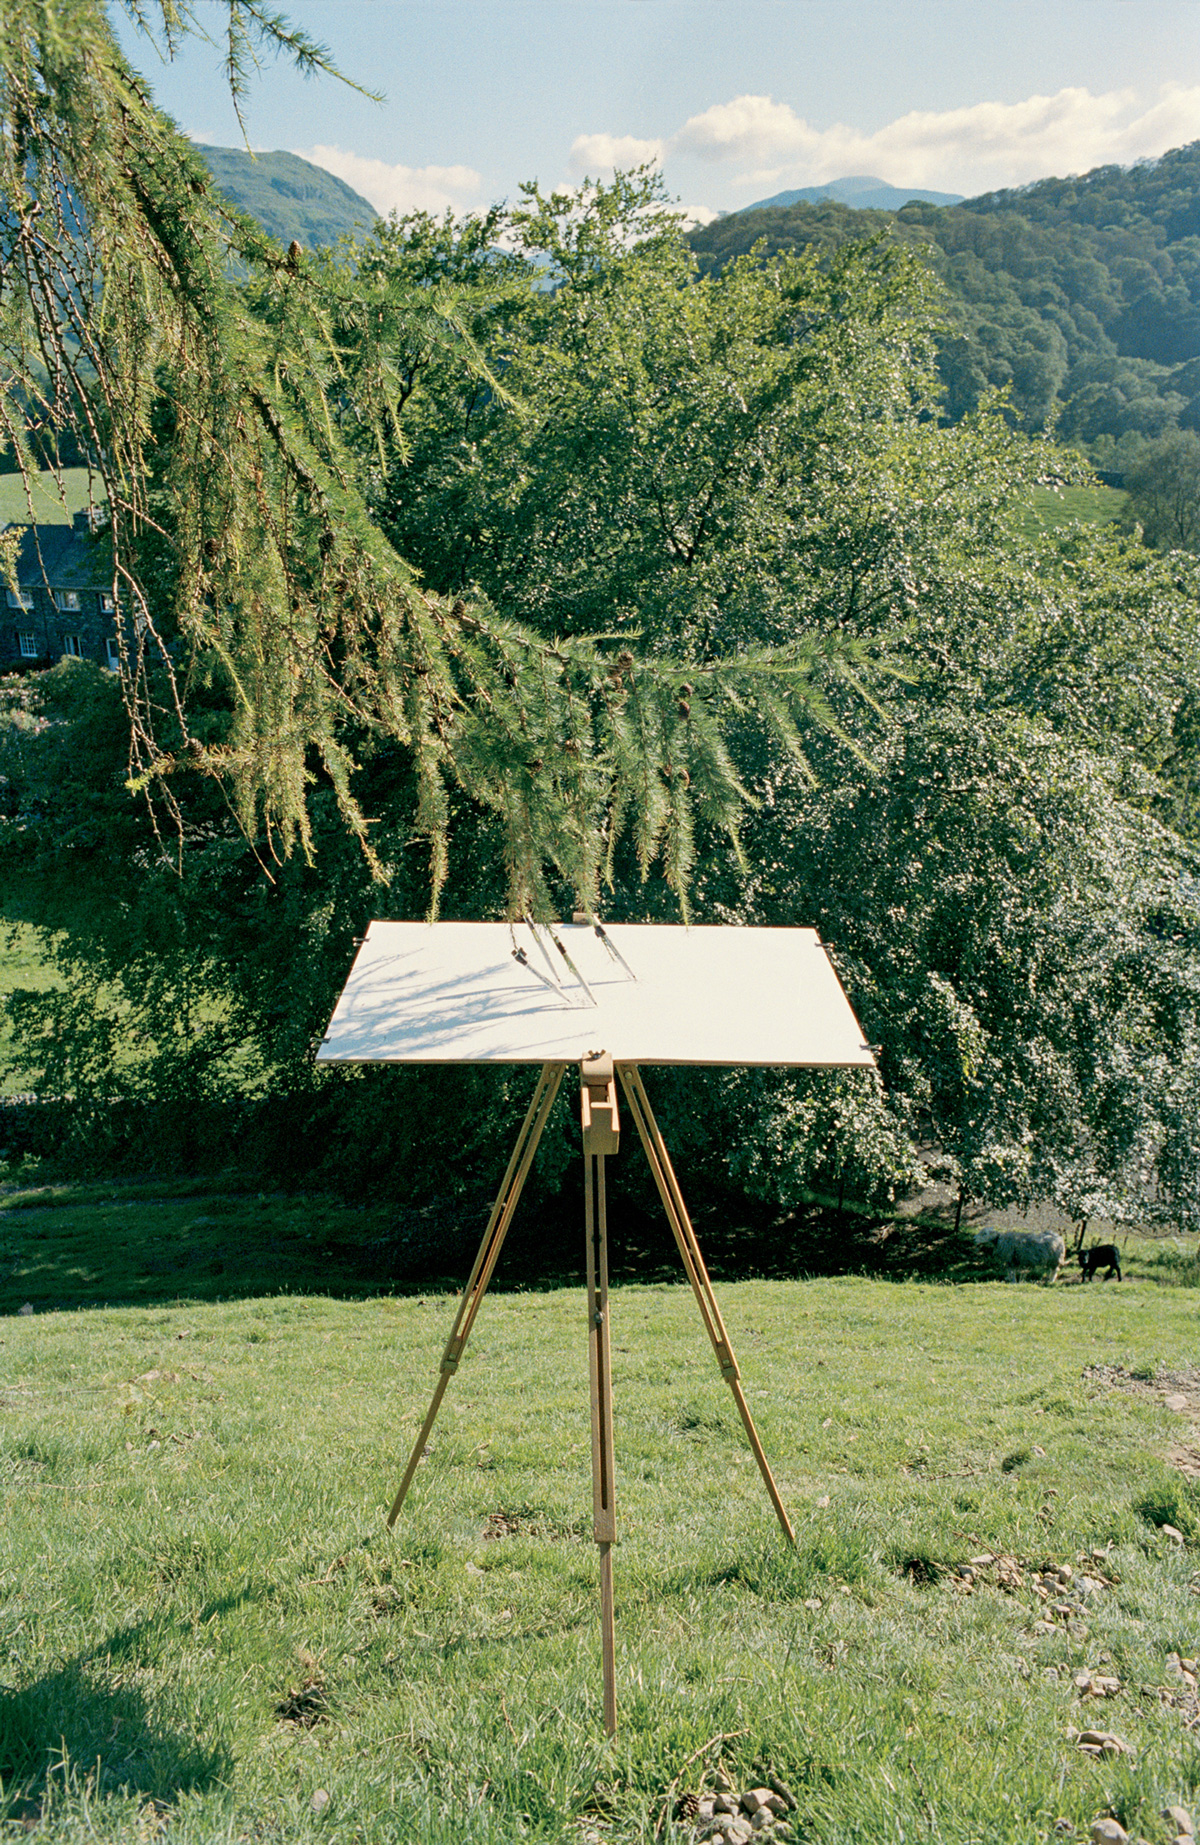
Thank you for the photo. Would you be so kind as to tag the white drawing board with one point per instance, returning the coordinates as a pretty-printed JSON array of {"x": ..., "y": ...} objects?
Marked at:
[{"x": 453, "y": 992}]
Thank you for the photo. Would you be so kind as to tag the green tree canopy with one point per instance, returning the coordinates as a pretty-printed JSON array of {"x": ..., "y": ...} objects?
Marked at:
[
  {"x": 523, "y": 535},
  {"x": 742, "y": 468},
  {"x": 1163, "y": 483}
]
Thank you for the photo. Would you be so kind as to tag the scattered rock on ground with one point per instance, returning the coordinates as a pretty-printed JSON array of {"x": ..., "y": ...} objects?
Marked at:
[
  {"x": 1109, "y": 1832},
  {"x": 1181, "y": 1819},
  {"x": 319, "y": 1801},
  {"x": 725, "y": 1815},
  {"x": 1101, "y": 1743}
]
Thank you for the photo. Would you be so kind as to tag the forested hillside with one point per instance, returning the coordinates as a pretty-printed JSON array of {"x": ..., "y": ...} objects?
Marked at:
[{"x": 1081, "y": 296}]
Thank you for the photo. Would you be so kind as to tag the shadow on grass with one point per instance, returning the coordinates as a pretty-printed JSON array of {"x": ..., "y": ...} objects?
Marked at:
[
  {"x": 157, "y": 1244},
  {"x": 82, "y": 1724},
  {"x": 742, "y": 1238}
]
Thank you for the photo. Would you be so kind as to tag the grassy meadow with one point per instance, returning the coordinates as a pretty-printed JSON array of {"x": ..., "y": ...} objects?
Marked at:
[
  {"x": 207, "y": 1632},
  {"x": 55, "y": 501},
  {"x": 1050, "y": 507}
]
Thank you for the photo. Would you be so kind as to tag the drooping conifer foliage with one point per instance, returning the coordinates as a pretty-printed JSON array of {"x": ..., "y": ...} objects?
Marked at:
[{"x": 267, "y": 624}]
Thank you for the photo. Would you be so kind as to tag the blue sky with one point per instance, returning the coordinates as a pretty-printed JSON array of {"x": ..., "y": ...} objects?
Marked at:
[{"x": 736, "y": 99}]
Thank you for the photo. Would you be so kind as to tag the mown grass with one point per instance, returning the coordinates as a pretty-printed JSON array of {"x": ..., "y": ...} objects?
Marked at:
[
  {"x": 204, "y": 1621},
  {"x": 1050, "y": 507},
  {"x": 48, "y": 503}
]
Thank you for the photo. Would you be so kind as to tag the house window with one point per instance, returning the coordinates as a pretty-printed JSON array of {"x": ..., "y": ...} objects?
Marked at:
[
  {"x": 72, "y": 647},
  {"x": 112, "y": 654},
  {"x": 67, "y": 599},
  {"x": 108, "y": 602},
  {"x": 28, "y": 645},
  {"x": 20, "y": 598}
]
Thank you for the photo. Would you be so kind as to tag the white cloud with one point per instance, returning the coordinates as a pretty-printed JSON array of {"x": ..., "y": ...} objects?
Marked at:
[
  {"x": 594, "y": 155},
  {"x": 969, "y": 149},
  {"x": 398, "y": 188},
  {"x": 751, "y": 130}
]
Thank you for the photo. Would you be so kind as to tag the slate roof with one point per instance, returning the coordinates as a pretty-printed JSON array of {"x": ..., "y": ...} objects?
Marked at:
[{"x": 68, "y": 558}]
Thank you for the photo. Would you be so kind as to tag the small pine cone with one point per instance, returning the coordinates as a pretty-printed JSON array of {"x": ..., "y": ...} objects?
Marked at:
[
  {"x": 687, "y": 1806},
  {"x": 685, "y": 710}
]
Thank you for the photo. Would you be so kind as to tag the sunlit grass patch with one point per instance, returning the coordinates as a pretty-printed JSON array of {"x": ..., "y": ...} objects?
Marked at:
[
  {"x": 204, "y": 1622},
  {"x": 1054, "y": 506}
]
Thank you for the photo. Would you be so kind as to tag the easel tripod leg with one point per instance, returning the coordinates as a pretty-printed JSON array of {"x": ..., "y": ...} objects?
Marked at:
[
  {"x": 697, "y": 1273},
  {"x": 485, "y": 1262},
  {"x": 608, "y": 1640}
]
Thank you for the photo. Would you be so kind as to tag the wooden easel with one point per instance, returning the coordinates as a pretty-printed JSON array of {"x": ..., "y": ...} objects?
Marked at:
[{"x": 601, "y": 1131}]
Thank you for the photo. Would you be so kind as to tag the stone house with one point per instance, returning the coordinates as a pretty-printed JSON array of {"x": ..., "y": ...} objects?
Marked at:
[{"x": 61, "y": 608}]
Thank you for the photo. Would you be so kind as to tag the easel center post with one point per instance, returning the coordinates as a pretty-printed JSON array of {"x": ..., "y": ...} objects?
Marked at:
[{"x": 601, "y": 1138}]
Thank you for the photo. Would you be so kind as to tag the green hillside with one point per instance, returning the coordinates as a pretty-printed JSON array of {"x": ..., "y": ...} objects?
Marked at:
[
  {"x": 56, "y": 498},
  {"x": 1081, "y": 295},
  {"x": 290, "y": 197}
]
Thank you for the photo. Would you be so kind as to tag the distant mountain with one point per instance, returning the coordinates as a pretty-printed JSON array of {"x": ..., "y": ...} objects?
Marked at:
[
  {"x": 290, "y": 197},
  {"x": 862, "y": 191}
]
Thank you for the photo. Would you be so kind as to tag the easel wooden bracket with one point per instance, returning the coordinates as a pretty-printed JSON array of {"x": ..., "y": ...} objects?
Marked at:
[{"x": 601, "y": 1138}]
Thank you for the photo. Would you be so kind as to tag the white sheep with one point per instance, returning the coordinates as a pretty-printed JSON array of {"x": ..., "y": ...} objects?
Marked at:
[{"x": 1037, "y": 1253}]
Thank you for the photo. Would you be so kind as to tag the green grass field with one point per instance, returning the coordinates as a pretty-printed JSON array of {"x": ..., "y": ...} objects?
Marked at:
[
  {"x": 50, "y": 506},
  {"x": 205, "y": 1624},
  {"x": 1054, "y": 506}
]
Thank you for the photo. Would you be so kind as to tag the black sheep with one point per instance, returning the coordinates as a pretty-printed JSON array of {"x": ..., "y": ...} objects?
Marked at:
[{"x": 1101, "y": 1255}]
